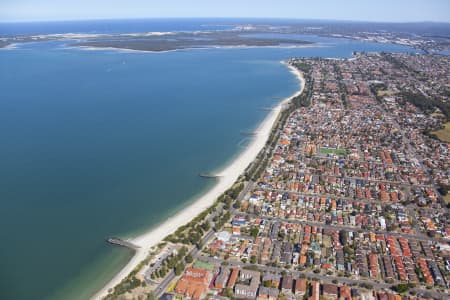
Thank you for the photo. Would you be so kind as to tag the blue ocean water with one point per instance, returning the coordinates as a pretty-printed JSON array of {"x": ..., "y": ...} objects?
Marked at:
[
  {"x": 113, "y": 26},
  {"x": 444, "y": 52},
  {"x": 109, "y": 143}
]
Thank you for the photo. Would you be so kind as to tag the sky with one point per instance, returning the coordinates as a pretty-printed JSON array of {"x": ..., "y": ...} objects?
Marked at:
[{"x": 358, "y": 10}]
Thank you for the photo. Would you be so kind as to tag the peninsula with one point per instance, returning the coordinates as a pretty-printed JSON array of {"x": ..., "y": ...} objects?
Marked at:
[{"x": 271, "y": 33}]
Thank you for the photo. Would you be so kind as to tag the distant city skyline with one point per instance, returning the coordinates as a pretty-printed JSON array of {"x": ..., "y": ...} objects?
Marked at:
[{"x": 352, "y": 10}]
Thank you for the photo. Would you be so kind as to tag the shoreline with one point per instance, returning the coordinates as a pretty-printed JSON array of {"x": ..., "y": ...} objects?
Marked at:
[
  {"x": 229, "y": 175},
  {"x": 11, "y": 46}
]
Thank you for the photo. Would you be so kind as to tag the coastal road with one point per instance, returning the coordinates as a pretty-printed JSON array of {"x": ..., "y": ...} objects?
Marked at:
[
  {"x": 195, "y": 251},
  {"x": 162, "y": 287},
  {"x": 247, "y": 188}
]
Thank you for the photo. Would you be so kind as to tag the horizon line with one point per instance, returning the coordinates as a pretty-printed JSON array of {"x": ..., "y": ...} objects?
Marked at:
[{"x": 223, "y": 18}]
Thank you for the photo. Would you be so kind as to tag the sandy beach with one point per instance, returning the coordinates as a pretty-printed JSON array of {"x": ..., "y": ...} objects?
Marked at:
[{"x": 228, "y": 176}]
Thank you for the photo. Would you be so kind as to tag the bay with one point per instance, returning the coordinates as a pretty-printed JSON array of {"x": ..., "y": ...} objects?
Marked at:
[{"x": 110, "y": 143}]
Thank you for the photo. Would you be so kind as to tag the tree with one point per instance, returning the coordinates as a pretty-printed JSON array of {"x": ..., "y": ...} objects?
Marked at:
[
  {"x": 179, "y": 269},
  {"x": 151, "y": 296},
  {"x": 228, "y": 292},
  {"x": 189, "y": 259},
  {"x": 348, "y": 250},
  {"x": 401, "y": 288},
  {"x": 205, "y": 226},
  {"x": 237, "y": 205},
  {"x": 253, "y": 259},
  {"x": 366, "y": 285},
  {"x": 254, "y": 232},
  {"x": 267, "y": 283}
]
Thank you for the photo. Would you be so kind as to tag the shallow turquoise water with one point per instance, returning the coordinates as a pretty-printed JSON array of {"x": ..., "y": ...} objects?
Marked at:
[{"x": 109, "y": 143}]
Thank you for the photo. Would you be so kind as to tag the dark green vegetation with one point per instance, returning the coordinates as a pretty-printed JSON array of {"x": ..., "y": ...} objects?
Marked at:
[
  {"x": 402, "y": 287},
  {"x": 192, "y": 233},
  {"x": 304, "y": 67},
  {"x": 366, "y": 285},
  {"x": 185, "y": 40},
  {"x": 230, "y": 195},
  {"x": 426, "y": 104},
  {"x": 444, "y": 189},
  {"x": 173, "y": 262},
  {"x": 375, "y": 88}
]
